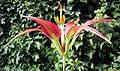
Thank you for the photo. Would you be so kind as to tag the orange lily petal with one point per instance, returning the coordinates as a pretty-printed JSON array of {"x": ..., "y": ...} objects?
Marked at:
[{"x": 47, "y": 27}]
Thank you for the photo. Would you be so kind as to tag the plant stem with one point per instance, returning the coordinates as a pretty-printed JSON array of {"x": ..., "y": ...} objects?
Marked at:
[{"x": 63, "y": 63}]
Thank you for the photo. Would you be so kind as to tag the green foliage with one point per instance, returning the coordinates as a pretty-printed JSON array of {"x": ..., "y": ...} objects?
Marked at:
[{"x": 34, "y": 52}]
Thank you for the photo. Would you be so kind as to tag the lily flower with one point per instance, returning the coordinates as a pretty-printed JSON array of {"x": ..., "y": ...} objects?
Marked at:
[
  {"x": 63, "y": 37},
  {"x": 69, "y": 32}
]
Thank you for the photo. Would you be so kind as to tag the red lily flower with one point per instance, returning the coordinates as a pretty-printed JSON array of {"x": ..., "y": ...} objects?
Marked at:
[
  {"x": 53, "y": 32},
  {"x": 70, "y": 31},
  {"x": 67, "y": 34}
]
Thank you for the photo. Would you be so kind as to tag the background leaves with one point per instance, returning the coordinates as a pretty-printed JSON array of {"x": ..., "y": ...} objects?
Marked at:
[{"x": 34, "y": 51}]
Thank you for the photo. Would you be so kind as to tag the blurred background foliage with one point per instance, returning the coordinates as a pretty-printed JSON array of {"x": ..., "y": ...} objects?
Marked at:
[{"x": 35, "y": 52}]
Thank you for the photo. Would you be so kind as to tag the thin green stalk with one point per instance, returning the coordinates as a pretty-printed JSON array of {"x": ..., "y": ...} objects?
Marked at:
[{"x": 63, "y": 63}]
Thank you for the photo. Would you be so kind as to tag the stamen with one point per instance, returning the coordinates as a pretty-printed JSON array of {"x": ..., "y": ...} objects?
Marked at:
[
  {"x": 60, "y": 9},
  {"x": 63, "y": 18}
]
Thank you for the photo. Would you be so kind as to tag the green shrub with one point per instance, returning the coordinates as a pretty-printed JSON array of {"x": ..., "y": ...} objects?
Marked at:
[{"x": 34, "y": 51}]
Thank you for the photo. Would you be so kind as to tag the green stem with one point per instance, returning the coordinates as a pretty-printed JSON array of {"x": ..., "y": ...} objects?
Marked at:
[{"x": 63, "y": 63}]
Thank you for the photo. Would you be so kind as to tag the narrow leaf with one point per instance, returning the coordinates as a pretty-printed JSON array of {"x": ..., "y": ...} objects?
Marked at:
[
  {"x": 71, "y": 44},
  {"x": 57, "y": 44}
]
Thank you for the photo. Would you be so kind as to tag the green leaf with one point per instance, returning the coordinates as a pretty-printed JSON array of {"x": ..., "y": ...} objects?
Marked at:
[
  {"x": 71, "y": 44},
  {"x": 57, "y": 44},
  {"x": 83, "y": 1},
  {"x": 117, "y": 59},
  {"x": 90, "y": 54}
]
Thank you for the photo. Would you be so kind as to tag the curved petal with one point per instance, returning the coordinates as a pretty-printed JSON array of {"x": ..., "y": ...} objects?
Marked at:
[
  {"x": 79, "y": 30},
  {"x": 89, "y": 22},
  {"x": 96, "y": 32},
  {"x": 68, "y": 26},
  {"x": 47, "y": 27},
  {"x": 22, "y": 33},
  {"x": 71, "y": 32},
  {"x": 88, "y": 28}
]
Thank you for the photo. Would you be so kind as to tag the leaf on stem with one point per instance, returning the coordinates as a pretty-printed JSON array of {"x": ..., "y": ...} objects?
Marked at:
[{"x": 57, "y": 44}]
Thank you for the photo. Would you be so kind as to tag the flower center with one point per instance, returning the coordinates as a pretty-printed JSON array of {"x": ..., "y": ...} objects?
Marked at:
[{"x": 61, "y": 19}]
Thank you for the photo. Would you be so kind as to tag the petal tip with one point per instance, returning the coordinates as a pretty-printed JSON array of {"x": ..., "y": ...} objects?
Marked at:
[{"x": 108, "y": 41}]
